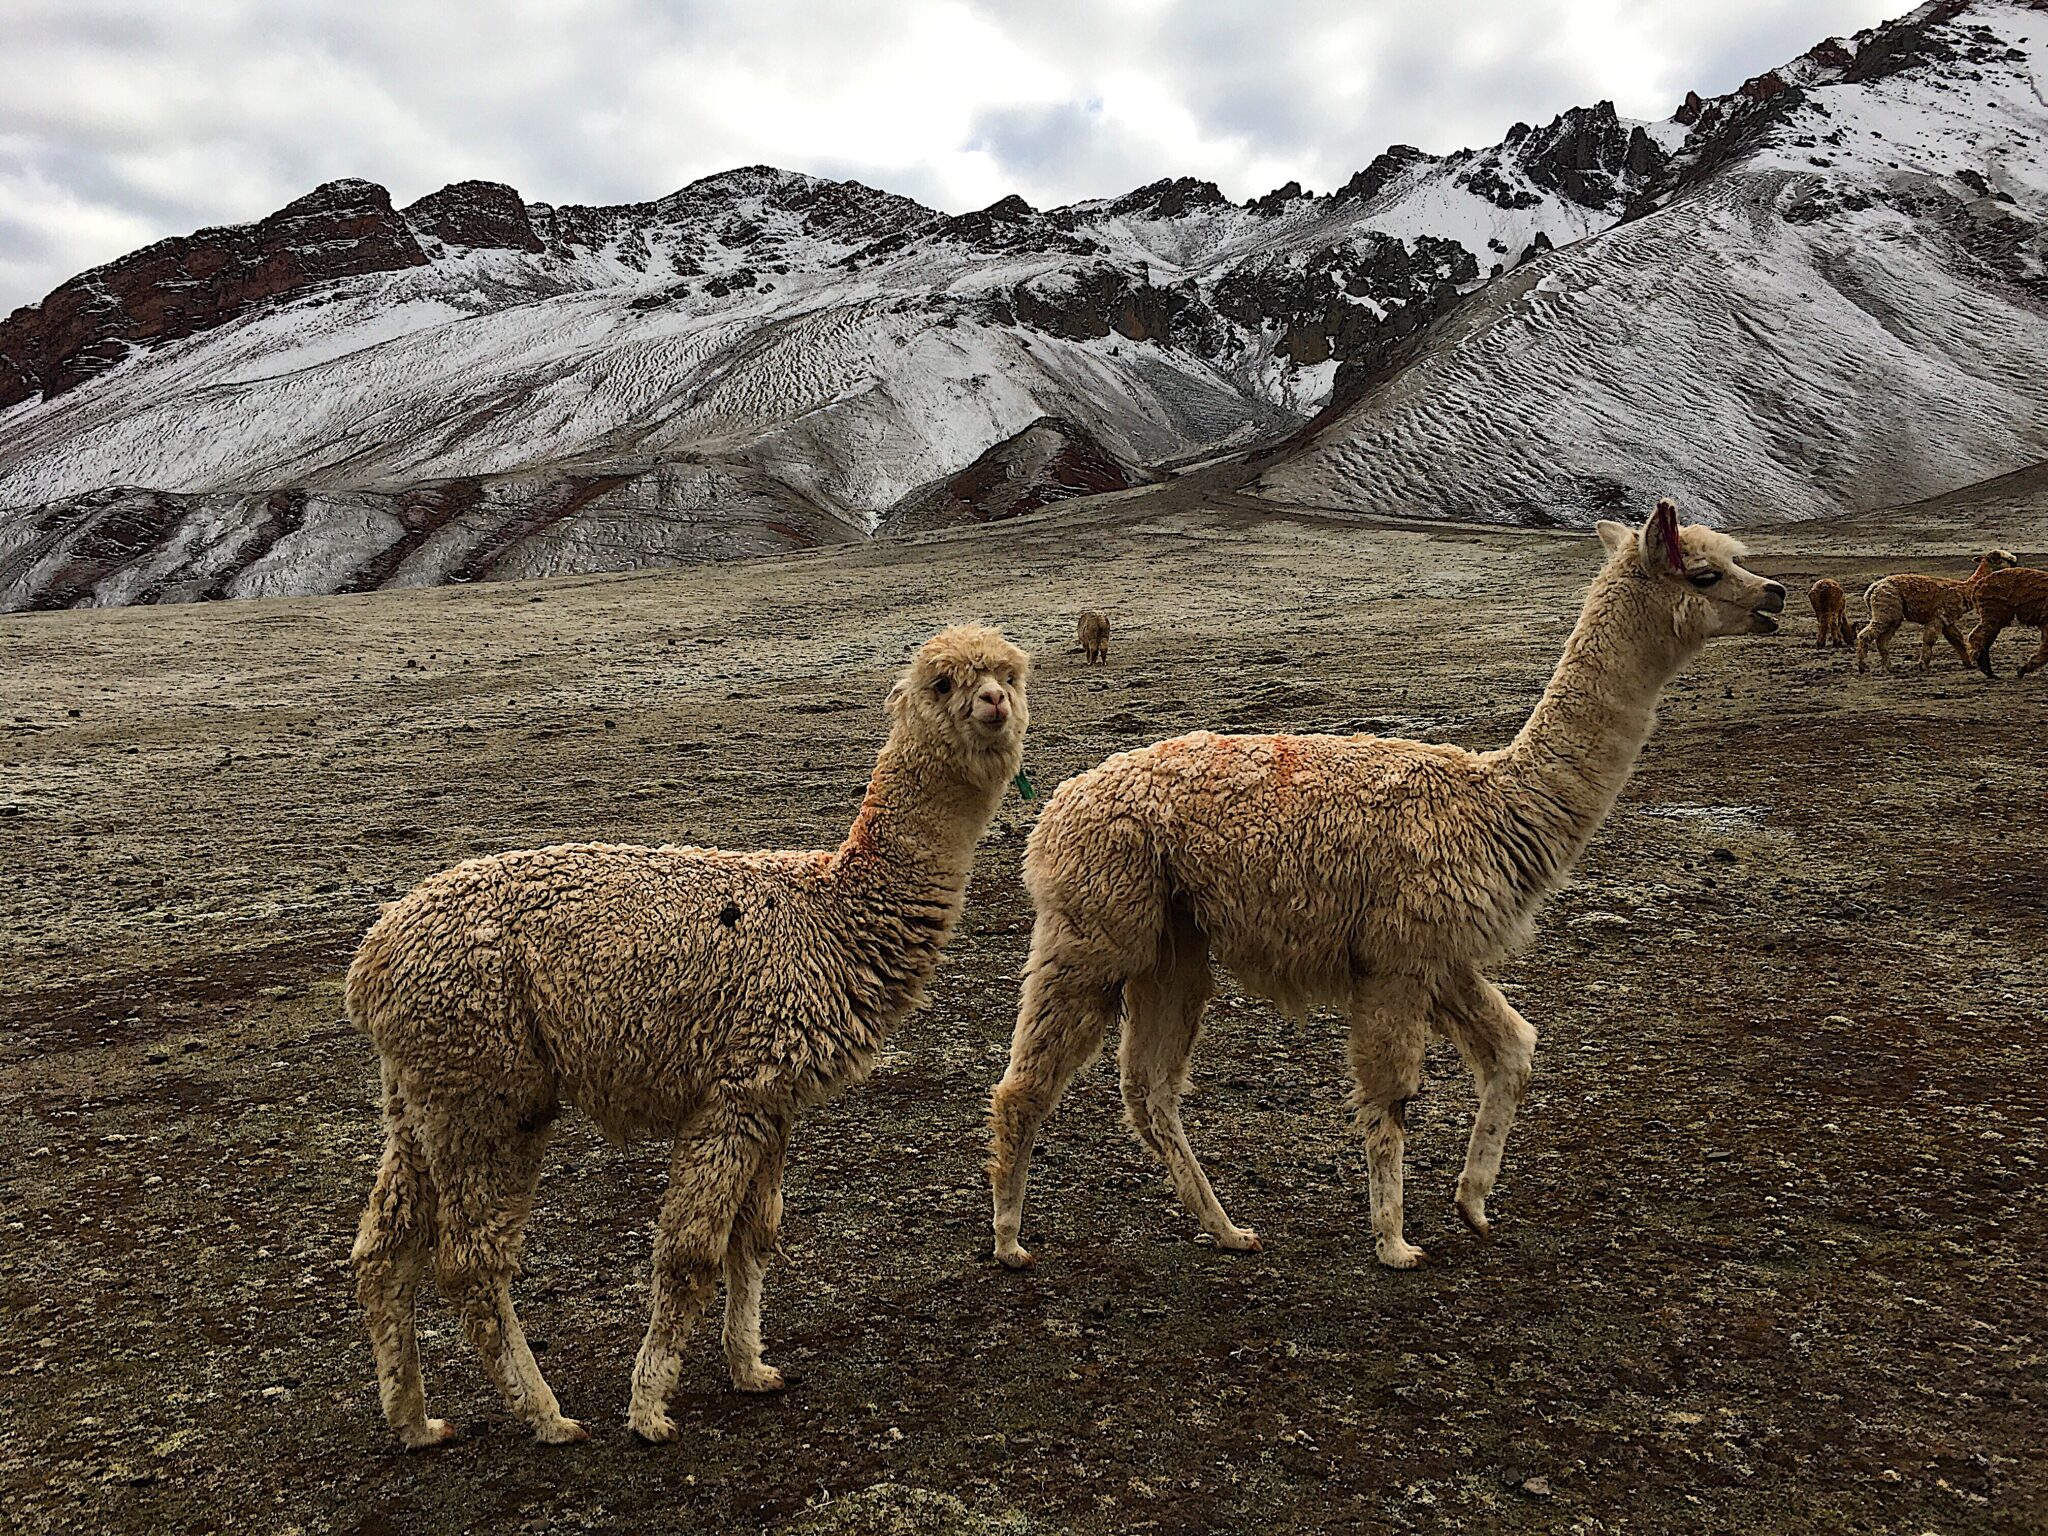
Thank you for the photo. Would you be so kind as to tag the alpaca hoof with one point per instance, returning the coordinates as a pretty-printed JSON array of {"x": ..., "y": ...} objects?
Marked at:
[
  {"x": 560, "y": 1431},
  {"x": 759, "y": 1378},
  {"x": 1240, "y": 1240},
  {"x": 654, "y": 1428},
  {"x": 1014, "y": 1257},
  {"x": 1474, "y": 1216},
  {"x": 1396, "y": 1254},
  {"x": 427, "y": 1434}
]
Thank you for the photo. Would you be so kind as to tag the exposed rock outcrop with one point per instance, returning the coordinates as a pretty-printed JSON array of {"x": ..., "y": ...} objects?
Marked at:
[{"x": 178, "y": 287}]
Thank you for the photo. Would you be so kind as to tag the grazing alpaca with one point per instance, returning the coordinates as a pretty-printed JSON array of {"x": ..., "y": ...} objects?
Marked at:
[
  {"x": 1380, "y": 876},
  {"x": 680, "y": 992},
  {"x": 2015, "y": 596},
  {"x": 1093, "y": 633},
  {"x": 1935, "y": 603},
  {"x": 1830, "y": 613}
]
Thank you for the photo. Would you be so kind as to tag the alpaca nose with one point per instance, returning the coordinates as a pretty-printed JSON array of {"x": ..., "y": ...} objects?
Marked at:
[
  {"x": 997, "y": 702},
  {"x": 1774, "y": 598}
]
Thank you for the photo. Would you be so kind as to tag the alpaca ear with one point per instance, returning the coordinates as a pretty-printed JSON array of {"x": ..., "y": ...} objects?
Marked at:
[
  {"x": 1616, "y": 536},
  {"x": 894, "y": 703},
  {"x": 1661, "y": 551}
]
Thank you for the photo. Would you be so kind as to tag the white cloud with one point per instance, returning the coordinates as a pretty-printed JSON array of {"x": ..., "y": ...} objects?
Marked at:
[{"x": 127, "y": 120}]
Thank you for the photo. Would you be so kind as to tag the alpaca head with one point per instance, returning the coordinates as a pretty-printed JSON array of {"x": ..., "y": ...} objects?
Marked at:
[
  {"x": 1695, "y": 574},
  {"x": 962, "y": 699},
  {"x": 1998, "y": 560}
]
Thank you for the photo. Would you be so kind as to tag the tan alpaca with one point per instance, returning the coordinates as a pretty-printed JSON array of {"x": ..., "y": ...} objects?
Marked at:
[
  {"x": 1830, "y": 613},
  {"x": 2015, "y": 596},
  {"x": 1935, "y": 603},
  {"x": 676, "y": 992},
  {"x": 1379, "y": 876},
  {"x": 1093, "y": 633}
]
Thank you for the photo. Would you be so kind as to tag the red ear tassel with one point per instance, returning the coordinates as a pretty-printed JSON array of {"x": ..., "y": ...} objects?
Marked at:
[{"x": 1667, "y": 532}]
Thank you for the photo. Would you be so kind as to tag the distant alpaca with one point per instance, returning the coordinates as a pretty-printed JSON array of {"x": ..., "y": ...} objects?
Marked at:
[
  {"x": 1933, "y": 602},
  {"x": 1380, "y": 876},
  {"x": 1831, "y": 613},
  {"x": 1094, "y": 636},
  {"x": 2016, "y": 596},
  {"x": 680, "y": 992}
]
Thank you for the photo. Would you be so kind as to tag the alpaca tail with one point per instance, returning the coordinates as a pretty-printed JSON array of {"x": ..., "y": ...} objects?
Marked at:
[{"x": 362, "y": 992}]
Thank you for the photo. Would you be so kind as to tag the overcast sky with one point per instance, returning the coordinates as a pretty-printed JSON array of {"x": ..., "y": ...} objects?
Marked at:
[{"x": 122, "y": 121}]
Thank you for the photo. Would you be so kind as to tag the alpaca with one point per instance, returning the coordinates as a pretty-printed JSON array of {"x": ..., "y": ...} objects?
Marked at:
[
  {"x": 2015, "y": 596},
  {"x": 689, "y": 993},
  {"x": 1935, "y": 603},
  {"x": 1380, "y": 876},
  {"x": 1831, "y": 613},
  {"x": 1093, "y": 633}
]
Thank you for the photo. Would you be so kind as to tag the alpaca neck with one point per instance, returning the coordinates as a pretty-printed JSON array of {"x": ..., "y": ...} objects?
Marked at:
[
  {"x": 1565, "y": 770},
  {"x": 917, "y": 828}
]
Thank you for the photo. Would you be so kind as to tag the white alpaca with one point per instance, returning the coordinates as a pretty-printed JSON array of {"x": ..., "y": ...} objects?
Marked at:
[
  {"x": 679, "y": 992},
  {"x": 1381, "y": 876}
]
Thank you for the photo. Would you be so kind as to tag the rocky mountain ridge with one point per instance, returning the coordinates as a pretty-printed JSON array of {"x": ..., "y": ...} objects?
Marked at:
[{"x": 764, "y": 356}]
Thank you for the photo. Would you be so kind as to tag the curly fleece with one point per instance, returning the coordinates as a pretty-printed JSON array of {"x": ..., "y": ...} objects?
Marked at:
[
  {"x": 685, "y": 992},
  {"x": 2016, "y": 596}
]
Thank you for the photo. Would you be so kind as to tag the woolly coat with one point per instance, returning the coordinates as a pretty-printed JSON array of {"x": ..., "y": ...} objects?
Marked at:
[
  {"x": 1915, "y": 599},
  {"x": 2018, "y": 595},
  {"x": 1313, "y": 863},
  {"x": 634, "y": 981}
]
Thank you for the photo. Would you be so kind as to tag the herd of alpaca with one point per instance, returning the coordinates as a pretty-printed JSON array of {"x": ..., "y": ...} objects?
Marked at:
[
  {"x": 1935, "y": 603},
  {"x": 707, "y": 997},
  {"x": 2000, "y": 591}
]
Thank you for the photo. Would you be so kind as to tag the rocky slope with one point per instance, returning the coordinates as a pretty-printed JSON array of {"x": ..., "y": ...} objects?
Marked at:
[
  {"x": 1840, "y": 302},
  {"x": 1049, "y": 461},
  {"x": 1824, "y": 282}
]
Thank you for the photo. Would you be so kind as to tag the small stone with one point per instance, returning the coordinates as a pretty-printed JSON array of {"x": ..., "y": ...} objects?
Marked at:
[{"x": 1539, "y": 1486}]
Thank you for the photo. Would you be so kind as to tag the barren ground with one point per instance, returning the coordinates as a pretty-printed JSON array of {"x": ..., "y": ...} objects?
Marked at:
[{"x": 1770, "y": 1248}]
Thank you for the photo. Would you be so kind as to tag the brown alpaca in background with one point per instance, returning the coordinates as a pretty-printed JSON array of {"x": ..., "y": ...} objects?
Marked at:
[
  {"x": 1831, "y": 613},
  {"x": 1093, "y": 633},
  {"x": 1935, "y": 603},
  {"x": 2016, "y": 596}
]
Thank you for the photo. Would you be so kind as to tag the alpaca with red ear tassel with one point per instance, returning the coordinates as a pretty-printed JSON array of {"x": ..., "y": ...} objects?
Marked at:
[{"x": 1379, "y": 876}]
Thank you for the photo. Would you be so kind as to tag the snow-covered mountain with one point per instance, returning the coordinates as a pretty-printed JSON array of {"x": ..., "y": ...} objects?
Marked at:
[
  {"x": 1821, "y": 288},
  {"x": 1840, "y": 302}
]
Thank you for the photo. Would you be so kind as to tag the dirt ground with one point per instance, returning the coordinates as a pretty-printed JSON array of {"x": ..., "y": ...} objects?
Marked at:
[{"x": 1770, "y": 1249}]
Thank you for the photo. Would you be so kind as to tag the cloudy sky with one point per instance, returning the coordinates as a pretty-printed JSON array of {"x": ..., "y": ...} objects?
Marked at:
[{"x": 122, "y": 121}]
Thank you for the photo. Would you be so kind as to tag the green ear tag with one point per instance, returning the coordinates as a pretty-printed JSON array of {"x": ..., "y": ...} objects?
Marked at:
[{"x": 1023, "y": 783}]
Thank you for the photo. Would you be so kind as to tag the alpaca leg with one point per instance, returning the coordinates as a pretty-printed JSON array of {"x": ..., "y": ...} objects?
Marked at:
[
  {"x": 392, "y": 1244},
  {"x": 2036, "y": 661},
  {"x": 1980, "y": 645},
  {"x": 1927, "y": 634},
  {"x": 487, "y": 1169},
  {"x": 1388, "y": 1030},
  {"x": 746, "y": 1263},
  {"x": 1164, "y": 1020},
  {"x": 1499, "y": 1045},
  {"x": 1065, "y": 1011},
  {"x": 713, "y": 1165},
  {"x": 1954, "y": 637}
]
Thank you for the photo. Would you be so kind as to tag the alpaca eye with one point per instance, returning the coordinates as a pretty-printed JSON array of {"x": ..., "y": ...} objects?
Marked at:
[
  {"x": 943, "y": 686},
  {"x": 1704, "y": 578}
]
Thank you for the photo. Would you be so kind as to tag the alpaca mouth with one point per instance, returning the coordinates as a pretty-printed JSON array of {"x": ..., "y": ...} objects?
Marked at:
[{"x": 1763, "y": 623}]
